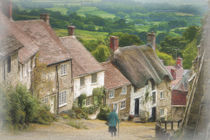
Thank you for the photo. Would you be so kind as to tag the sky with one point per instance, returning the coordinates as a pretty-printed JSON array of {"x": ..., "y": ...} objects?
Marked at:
[{"x": 176, "y": 1}]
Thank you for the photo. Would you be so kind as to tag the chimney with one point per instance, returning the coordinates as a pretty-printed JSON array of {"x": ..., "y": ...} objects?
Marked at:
[
  {"x": 179, "y": 62},
  {"x": 173, "y": 73},
  {"x": 6, "y": 6},
  {"x": 71, "y": 30},
  {"x": 151, "y": 40},
  {"x": 45, "y": 17},
  {"x": 114, "y": 43}
]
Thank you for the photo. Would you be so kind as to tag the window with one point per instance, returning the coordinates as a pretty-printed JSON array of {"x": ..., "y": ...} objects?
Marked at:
[
  {"x": 162, "y": 112},
  {"x": 111, "y": 94},
  {"x": 154, "y": 97},
  {"x": 63, "y": 69},
  {"x": 162, "y": 95},
  {"x": 82, "y": 81},
  {"x": 88, "y": 101},
  {"x": 123, "y": 105},
  {"x": 124, "y": 90},
  {"x": 94, "y": 78},
  {"x": 9, "y": 64},
  {"x": 62, "y": 98},
  {"x": 45, "y": 100}
]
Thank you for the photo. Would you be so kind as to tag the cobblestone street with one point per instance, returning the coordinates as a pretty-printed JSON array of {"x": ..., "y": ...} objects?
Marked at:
[{"x": 96, "y": 130}]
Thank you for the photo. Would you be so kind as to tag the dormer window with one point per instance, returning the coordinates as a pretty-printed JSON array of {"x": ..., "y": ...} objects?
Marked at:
[{"x": 63, "y": 69}]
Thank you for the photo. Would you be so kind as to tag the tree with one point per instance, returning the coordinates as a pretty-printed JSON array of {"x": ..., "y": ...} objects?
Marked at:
[
  {"x": 173, "y": 45},
  {"x": 189, "y": 54},
  {"x": 101, "y": 53},
  {"x": 191, "y": 33},
  {"x": 167, "y": 59},
  {"x": 126, "y": 39}
]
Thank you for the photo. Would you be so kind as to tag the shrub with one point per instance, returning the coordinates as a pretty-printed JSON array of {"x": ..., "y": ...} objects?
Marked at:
[
  {"x": 90, "y": 110},
  {"x": 104, "y": 112},
  {"x": 81, "y": 100},
  {"x": 21, "y": 108}
]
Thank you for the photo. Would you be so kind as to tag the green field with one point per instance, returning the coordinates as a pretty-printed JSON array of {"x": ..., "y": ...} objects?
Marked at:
[
  {"x": 94, "y": 11},
  {"x": 85, "y": 35}
]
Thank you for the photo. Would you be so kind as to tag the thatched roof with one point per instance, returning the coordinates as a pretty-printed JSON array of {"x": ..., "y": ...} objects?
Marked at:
[{"x": 140, "y": 64}]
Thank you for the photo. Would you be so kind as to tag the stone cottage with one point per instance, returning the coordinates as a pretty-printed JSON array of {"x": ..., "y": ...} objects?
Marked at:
[
  {"x": 149, "y": 78},
  {"x": 17, "y": 54},
  {"x": 52, "y": 76},
  {"x": 117, "y": 90},
  {"x": 87, "y": 72}
]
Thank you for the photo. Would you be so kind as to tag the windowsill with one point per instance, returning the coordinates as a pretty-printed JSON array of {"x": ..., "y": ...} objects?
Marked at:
[
  {"x": 122, "y": 108},
  {"x": 111, "y": 97},
  {"x": 123, "y": 94},
  {"x": 62, "y": 105},
  {"x": 63, "y": 75},
  {"x": 82, "y": 87},
  {"x": 162, "y": 98},
  {"x": 93, "y": 84}
]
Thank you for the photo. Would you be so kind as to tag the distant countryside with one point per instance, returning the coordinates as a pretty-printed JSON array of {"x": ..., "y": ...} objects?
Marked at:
[{"x": 177, "y": 27}]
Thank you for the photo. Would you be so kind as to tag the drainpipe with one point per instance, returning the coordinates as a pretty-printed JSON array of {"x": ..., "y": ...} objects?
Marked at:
[
  {"x": 72, "y": 81},
  {"x": 57, "y": 86}
]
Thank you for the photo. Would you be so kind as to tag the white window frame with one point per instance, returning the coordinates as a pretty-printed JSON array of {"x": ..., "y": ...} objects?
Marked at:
[
  {"x": 111, "y": 94},
  {"x": 63, "y": 69},
  {"x": 81, "y": 86},
  {"x": 94, "y": 74},
  {"x": 62, "y": 98},
  {"x": 162, "y": 112},
  {"x": 122, "y": 107},
  {"x": 162, "y": 95},
  {"x": 45, "y": 100},
  {"x": 154, "y": 91},
  {"x": 124, "y": 90}
]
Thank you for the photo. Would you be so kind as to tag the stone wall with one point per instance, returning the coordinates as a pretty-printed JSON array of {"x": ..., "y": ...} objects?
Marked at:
[
  {"x": 164, "y": 103},
  {"x": 118, "y": 98}
]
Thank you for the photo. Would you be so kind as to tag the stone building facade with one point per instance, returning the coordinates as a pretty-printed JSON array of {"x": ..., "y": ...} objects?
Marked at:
[{"x": 117, "y": 90}]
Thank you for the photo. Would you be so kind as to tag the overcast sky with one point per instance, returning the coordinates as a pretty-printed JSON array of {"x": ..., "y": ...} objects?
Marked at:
[{"x": 176, "y": 1}]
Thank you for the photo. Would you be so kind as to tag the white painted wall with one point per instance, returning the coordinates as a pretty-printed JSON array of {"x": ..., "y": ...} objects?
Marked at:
[
  {"x": 88, "y": 88},
  {"x": 143, "y": 105}
]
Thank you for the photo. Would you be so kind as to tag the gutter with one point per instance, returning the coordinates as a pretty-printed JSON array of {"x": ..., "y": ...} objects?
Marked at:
[{"x": 59, "y": 62}]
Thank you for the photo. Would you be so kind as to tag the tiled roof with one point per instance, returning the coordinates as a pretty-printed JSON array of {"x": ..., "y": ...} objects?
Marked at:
[
  {"x": 140, "y": 64},
  {"x": 83, "y": 62},
  {"x": 113, "y": 77},
  {"x": 51, "y": 50},
  {"x": 179, "y": 74},
  {"x": 14, "y": 39}
]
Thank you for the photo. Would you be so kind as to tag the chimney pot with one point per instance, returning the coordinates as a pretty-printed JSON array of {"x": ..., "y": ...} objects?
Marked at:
[
  {"x": 173, "y": 73},
  {"x": 151, "y": 39},
  {"x": 45, "y": 17},
  {"x": 71, "y": 30},
  {"x": 114, "y": 43},
  {"x": 179, "y": 62}
]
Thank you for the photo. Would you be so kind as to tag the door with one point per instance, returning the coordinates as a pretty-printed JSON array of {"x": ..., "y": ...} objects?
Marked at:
[
  {"x": 115, "y": 107},
  {"x": 154, "y": 114},
  {"x": 137, "y": 107}
]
